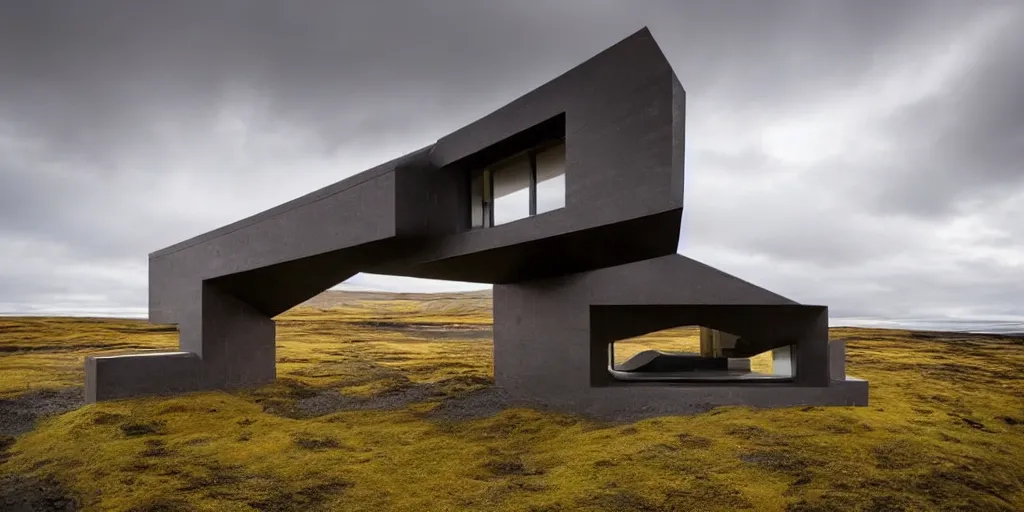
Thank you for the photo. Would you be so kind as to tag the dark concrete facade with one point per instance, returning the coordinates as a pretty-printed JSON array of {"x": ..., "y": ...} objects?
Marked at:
[{"x": 568, "y": 282}]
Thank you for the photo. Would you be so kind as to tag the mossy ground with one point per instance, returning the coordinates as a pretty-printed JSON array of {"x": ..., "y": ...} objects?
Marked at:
[{"x": 945, "y": 429}]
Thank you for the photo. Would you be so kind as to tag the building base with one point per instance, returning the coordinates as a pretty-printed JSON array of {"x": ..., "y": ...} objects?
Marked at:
[{"x": 635, "y": 401}]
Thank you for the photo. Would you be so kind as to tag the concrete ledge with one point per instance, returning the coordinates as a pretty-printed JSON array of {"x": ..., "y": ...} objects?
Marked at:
[{"x": 120, "y": 376}]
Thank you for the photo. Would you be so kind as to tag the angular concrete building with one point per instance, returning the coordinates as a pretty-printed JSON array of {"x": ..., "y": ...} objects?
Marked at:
[{"x": 569, "y": 201}]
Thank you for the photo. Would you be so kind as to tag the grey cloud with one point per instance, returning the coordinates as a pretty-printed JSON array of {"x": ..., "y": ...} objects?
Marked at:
[
  {"x": 967, "y": 141},
  {"x": 124, "y": 127},
  {"x": 43, "y": 276},
  {"x": 913, "y": 287},
  {"x": 95, "y": 75}
]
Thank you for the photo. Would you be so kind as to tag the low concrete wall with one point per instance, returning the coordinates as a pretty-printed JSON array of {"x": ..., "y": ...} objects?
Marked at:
[{"x": 110, "y": 377}]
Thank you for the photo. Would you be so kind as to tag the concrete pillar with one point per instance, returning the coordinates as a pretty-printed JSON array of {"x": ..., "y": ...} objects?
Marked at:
[
  {"x": 715, "y": 343},
  {"x": 810, "y": 354},
  {"x": 782, "y": 361},
  {"x": 238, "y": 342},
  {"x": 837, "y": 360},
  {"x": 224, "y": 343}
]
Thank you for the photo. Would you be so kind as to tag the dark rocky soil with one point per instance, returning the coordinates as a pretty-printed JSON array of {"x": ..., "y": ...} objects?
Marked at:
[
  {"x": 480, "y": 403},
  {"x": 23, "y": 494},
  {"x": 330, "y": 401},
  {"x": 20, "y": 414}
]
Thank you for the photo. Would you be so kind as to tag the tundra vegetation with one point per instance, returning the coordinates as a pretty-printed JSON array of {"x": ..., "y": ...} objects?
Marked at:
[{"x": 385, "y": 402}]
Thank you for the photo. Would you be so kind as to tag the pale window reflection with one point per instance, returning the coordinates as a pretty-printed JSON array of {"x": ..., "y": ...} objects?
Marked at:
[
  {"x": 551, "y": 179},
  {"x": 511, "y": 190}
]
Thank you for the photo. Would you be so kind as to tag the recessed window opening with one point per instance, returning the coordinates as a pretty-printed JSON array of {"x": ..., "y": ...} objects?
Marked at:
[
  {"x": 688, "y": 354},
  {"x": 526, "y": 184}
]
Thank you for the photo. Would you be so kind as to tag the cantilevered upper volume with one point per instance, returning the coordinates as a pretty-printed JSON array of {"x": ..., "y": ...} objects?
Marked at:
[
  {"x": 617, "y": 120},
  {"x": 583, "y": 173}
]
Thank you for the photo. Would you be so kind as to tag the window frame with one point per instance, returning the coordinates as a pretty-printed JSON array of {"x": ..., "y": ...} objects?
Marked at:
[{"x": 486, "y": 175}]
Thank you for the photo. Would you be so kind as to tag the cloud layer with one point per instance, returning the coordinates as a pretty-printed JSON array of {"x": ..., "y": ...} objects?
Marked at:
[{"x": 863, "y": 155}]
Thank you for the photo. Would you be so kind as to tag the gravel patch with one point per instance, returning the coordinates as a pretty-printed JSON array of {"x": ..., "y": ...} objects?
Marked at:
[
  {"x": 20, "y": 414},
  {"x": 487, "y": 402},
  {"x": 434, "y": 331},
  {"x": 482, "y": 403},
  {"x": 331, "y": 401}
]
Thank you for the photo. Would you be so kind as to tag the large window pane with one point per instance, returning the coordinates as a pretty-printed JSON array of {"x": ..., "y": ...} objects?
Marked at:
[
  {"x": 551, "y": 179},
  {"x": 511, "y": 190}
]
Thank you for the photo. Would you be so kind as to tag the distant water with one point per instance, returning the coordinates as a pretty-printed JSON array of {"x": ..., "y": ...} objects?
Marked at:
[
  {"x": 944, "y": 324},
  {"x": 138, "y": 313},
  {"x": 1006, "y": 327}
]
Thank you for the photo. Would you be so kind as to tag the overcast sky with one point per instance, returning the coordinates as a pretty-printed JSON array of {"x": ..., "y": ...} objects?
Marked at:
[{"x": 866, "y": 155}]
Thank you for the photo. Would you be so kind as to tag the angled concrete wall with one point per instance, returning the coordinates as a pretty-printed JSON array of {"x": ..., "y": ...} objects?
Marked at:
[{"x": 621, "y": 117}]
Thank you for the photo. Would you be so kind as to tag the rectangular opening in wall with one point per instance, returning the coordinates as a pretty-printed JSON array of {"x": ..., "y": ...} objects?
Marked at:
[
  {"x": 690, "y": 354},
  {"x": 529, "y": 183}
]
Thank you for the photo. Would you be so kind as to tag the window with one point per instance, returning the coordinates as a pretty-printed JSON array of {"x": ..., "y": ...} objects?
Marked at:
[
  {"x": 527, "y": 184},
  {"x": 550, "y": 179},
  {"x": 511, "y": 190}
]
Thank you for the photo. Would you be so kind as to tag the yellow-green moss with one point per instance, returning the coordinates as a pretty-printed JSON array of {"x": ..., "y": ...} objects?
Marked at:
[{"x": 944, "y": 429}]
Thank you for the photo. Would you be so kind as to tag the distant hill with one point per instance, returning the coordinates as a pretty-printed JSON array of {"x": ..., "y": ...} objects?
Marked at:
[{"x": 335, "y": 298}]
